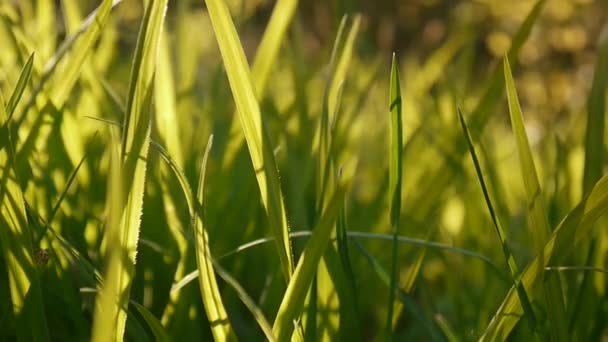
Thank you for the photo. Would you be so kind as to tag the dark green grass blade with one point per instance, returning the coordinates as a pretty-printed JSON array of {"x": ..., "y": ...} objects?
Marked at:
[
  {"x": 410, "y": 305},
  {"x": 395, "y": 174},
  {"x": 210, "y": 293},
  {"x": 575, "y": 227},
  {"x": 159, "y": 332},
  {"x": 293, "y": 300},
  {"x": 585, "y": 307},
  {"x": 515, "y": 275},
  {"x": 596, "y": 117},
  {"x": 538, "y": 223},
  {"x": 260, "y": 150},
  {"x": 17, "y": 247}
]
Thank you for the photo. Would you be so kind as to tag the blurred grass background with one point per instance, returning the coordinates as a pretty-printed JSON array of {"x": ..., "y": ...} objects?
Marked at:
[{"x": 447, "y": 51}]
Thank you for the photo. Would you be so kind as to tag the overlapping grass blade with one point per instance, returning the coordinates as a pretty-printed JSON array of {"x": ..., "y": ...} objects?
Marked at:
[
  {"x": 210, "y": 293},
  {"x": 291, "y": 304},
  {"x": 574, "y": 228},
  {"x": 395, "y": 174},
  {"x": 16, "y": 240},
  {"x": 265, "y": 58},
  {"x": 260, "y": 150},
  {"x": 133, "y": 155},
  {"x": 515, "y": 275},
  {"x": 538, "y": 223}
]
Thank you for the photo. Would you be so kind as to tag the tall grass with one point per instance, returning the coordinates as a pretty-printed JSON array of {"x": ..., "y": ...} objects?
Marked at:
[{"x": 378, "y": 225}]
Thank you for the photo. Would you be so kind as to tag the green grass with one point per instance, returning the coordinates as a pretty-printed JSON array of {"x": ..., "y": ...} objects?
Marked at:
[{"x": 322, "y": 212}]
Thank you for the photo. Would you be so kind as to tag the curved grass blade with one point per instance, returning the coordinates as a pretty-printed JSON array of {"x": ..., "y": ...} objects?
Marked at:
[
  {"x": 537, "y": 213},
  {"x": 291, "y": 305},
  {"x": 17, "y": 247},
  {"x": 515, "y": 275},
  {"x": 395, "y": 174},
  {"x": 575, "y": 227},
  {"x": 133, "y": 155},
  {"x": 255, "y": 310},
  {"x": 260, "y": 150},
  {"x": 160, "y": 334},
  {"x": 210, "y": 293}
]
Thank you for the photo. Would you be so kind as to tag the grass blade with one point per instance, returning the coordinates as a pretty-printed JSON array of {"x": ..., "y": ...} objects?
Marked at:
[
  {"x": 24, "y": 78},
  {"x": 68, "y": 70},
  {"x": 265, "y": 58},
  {"x": 537, "y": 217},
  {"x": 160, "y": 334},
  {"x": 133, "y": 155},
  {"x": 298, "y": 286},
  {"x": 260, "y": 150},
  {"x": 210, "y": 293},
  {"x": 515, "y": 275},
  {"x": 575, "y": 227},
  {"x": 17, "y": 246},
  {"x": 395, "y": 174}
]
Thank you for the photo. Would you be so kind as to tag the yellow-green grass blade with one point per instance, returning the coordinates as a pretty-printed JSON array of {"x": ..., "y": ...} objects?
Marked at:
[
  {"x": 17, "y": 246},
  {"x": 169, "y": 135},
  {"x": 159, "y": 332},
  {"x": 395, "y": 174},
  {"x": 260, "y": 150},
  {"x": 107, "y": 303},
  {"x": 440, "y": 177},
  {"x": 293, "y": 300},
  {"x": 515, "y": 275},
  {"x": 538, "y": 223},
  {"x": 24, "y": 78},
  {"x": 210, "y": 293},
  {"x": 574, "y": 228},
  {"x": 133, "y": 154},
  {"x": 263, "y": 62},
  {"x": 68, "y": 70}
]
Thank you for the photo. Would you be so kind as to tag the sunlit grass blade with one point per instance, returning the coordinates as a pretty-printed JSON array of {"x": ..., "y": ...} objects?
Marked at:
[
  {"x": 260, "y": 149},
  {"x": 575, "y": 227},
  {"x": 24, "y": 78},
  {"x": 263, "y": 62},
  {"x": 133, "y": 155},
  {"x": 538, "y": 224},
  {"x": 210, "y": 293},
  {"x": 68, "y": 70},
  {"x": 395, "y": 174},
  {"x": 17, "y": 246},
  {"x": 515, "y": 275},
  {"x": 291, "y": 305}
]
